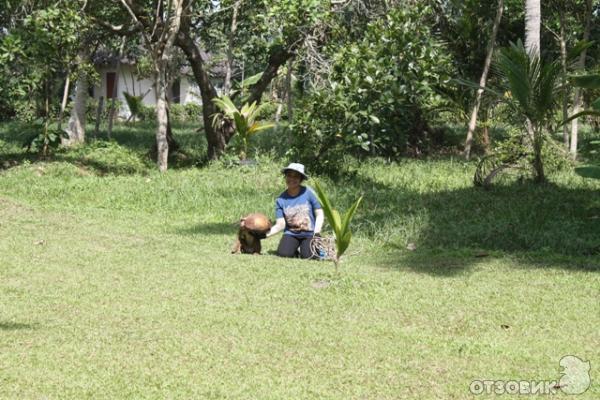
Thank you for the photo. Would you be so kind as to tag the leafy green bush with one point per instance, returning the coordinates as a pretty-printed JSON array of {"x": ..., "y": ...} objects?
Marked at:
[
  {"x": 108, "y": 157},
  {"x": 91, "y": 109},
  {"x": 268, "y": 111},
  {"x": 321, "y": 135},
  {"x": 380, "y": 93},
  {"x": 45, "y": 141},
  {"x": 177, "y": 112},
  {"x": 148, "y": 113},
  {"x": 516, "y": 153},
  {"x": 556, "y": 157},
  {"x": 193, "y": 111}
]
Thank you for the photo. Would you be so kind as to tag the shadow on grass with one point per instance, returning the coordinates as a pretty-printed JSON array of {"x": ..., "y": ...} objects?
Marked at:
[
  {"x": 14, "y": 326},
  {"x": 439, "y": 262},
  {"x": 588, "y": 171},
  {"x": 450, "y": 263},
  {"x": 550, "y": 225},
  {"x": 14, "y": 159},
  {"x": 220, "y": 228},
  {"x": 452, "y": 230},
  {"x": 128, "y": 152}
]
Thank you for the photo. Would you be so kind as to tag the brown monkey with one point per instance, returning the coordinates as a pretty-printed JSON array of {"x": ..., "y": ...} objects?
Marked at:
[{"x": 253, "y": 227}]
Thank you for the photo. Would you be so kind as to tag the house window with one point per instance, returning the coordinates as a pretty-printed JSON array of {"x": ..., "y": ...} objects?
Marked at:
[
  {"x": 111, "y": 79},
  {"x": 176, "y": 92}
]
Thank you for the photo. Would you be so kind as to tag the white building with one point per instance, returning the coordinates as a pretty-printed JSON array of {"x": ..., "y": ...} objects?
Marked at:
[{"x": 182, "y": 91}]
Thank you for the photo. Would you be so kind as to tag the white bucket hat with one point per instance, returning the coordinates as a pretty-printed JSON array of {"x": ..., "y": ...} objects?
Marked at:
[{"x": 297, "y": 167}]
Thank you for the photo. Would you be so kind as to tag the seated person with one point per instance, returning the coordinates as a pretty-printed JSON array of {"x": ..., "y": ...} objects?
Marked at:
[{"x": 298, "y": 213}]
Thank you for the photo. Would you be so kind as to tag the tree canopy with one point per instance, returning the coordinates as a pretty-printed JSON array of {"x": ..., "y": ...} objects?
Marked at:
[{"x": 358, "y": 77}]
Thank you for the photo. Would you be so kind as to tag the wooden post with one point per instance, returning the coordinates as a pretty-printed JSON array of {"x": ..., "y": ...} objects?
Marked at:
[
  {"x": 115, "y": 91},
  {"x": 98, "y": 115}
]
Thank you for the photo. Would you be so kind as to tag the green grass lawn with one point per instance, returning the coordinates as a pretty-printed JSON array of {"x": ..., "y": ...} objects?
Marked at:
[{"x": 117, "y": 282}]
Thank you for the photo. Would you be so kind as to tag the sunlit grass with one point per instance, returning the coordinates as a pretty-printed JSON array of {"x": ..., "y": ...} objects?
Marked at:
[{"x": 118, "y": 283}]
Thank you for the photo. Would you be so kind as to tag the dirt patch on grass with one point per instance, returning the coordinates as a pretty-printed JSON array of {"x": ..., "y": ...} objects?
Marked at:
[{"x": 8, "y": 207}]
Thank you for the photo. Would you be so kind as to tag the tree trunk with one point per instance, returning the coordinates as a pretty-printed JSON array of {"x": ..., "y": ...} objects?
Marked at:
[
  {"x": 162, "y": 52},
  {"x": 278, "y": 113},
  {"x": 485, "y": 136},
  {"x": 47, "y": 117},
  {"x": 159, "y": 37},
  {"x": 532, "y": 45},
  {"x": 216, "y": 140},
  {"x": 132, "y": 83},
  {"x": 76, "y": 126},
  {"x": 538, "y": 164},
  {"x": 288, "y": 90},
  {"x": 485, "y": 139},
  {"x": 578, "y": 100},
  {"x": 277, "y": 58},
  {"x": 162, "y": 144},
  {"x": 533, "y": 19},
  {"x": 173, "y": 145},
  {"x": 563, "y": 62},
  {"x": 483, "y": 80},
  {"x": 229, "y": 63},
  {"x": 63, "y": 104}
]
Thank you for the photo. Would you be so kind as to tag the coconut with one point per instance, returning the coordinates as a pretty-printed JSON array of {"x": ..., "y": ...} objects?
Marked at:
[{"x": 256, "y": 222}]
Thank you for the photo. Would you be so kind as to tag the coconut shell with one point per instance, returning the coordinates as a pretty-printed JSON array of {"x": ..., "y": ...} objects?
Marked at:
[{"x": 256, "y": 222}]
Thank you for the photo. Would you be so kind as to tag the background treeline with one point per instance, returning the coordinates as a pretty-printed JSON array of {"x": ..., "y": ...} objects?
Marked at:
[{"x": 354, "y": 78}]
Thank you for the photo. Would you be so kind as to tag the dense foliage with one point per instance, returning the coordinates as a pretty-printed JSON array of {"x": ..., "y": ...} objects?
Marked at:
[
  {"x": 359, "y": 78},
  {"x": 33, "y": 56},
  {"x": 380, "y": 95}
]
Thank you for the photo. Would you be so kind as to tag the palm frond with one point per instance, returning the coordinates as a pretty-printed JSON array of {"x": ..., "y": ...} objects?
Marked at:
[
  {"x": 226, "y": 105},
  {"x": 514, "y": 69},
  {"x": 590, "y": 81},
  {"x": 259, "y": 126},
  {"x": 531, "y": 81}
]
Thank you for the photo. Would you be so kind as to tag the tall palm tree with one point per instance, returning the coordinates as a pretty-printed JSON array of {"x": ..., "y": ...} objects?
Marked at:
[{"x": 533, "y": 19}]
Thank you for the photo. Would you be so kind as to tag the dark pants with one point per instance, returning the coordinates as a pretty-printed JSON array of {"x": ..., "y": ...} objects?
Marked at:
[{"x": 288, "y": 247}]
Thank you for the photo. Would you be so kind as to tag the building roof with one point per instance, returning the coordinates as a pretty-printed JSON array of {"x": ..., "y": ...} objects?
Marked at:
[{"x": 108, "y": 58}]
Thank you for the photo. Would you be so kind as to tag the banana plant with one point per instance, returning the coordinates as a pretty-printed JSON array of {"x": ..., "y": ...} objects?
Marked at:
[
  {"x": 244, "y": 120},
  {"x": 339, "y": 223}
]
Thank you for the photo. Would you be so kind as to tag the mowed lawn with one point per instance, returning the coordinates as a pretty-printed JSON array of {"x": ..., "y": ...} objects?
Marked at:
[{"x": 123, "y": 286}]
